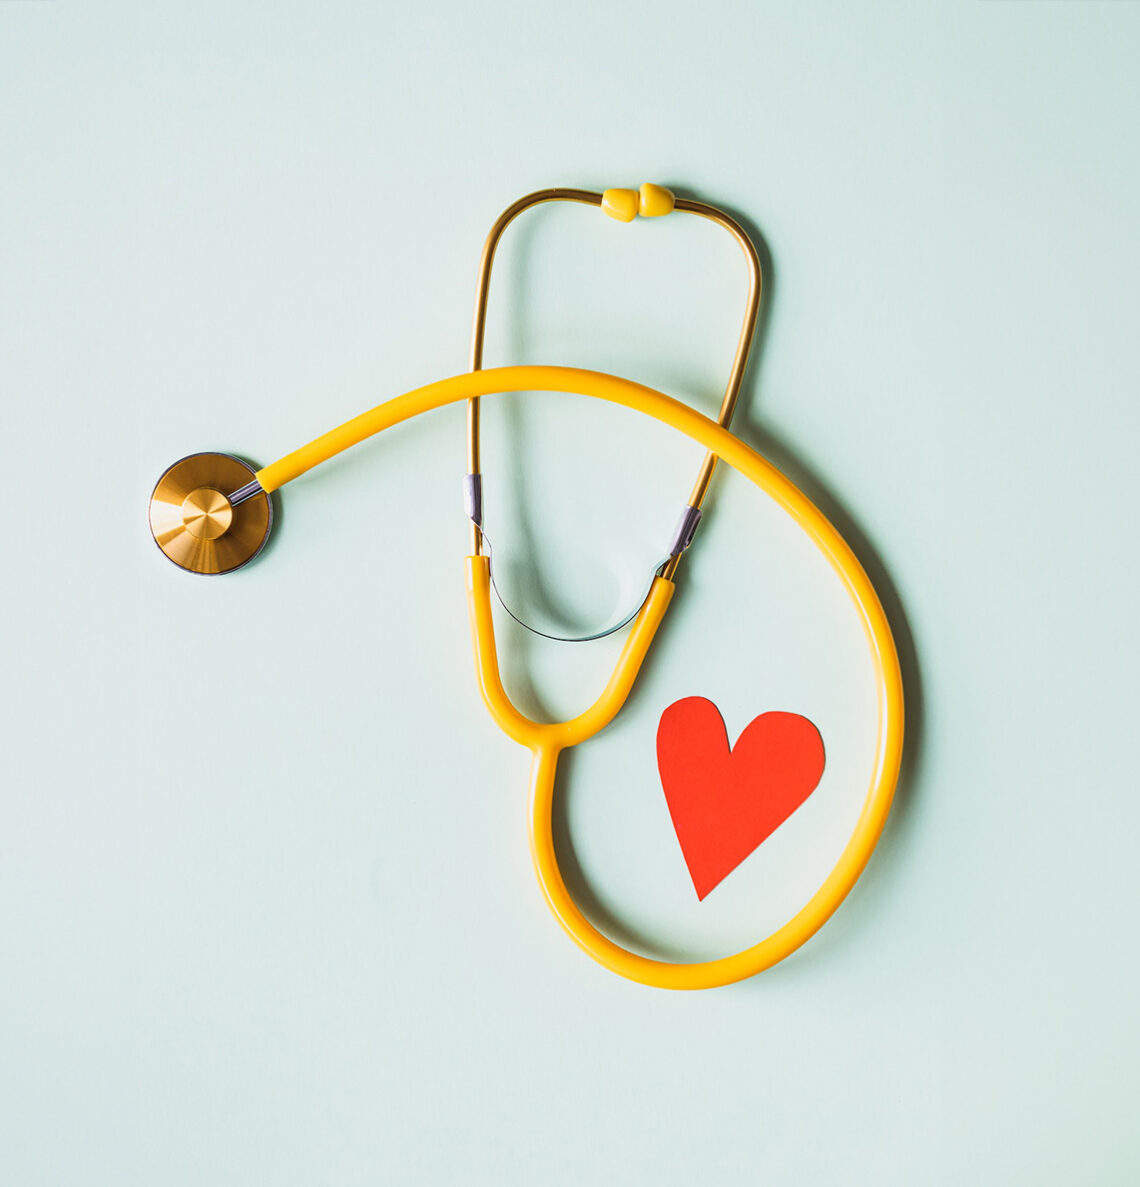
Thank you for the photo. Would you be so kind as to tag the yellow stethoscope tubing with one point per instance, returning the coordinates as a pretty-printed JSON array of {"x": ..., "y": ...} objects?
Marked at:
[{"x": 547, "y": 740}]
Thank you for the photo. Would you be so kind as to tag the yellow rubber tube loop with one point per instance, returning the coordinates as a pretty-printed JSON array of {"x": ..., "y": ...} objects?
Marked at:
[{"x": 546, "y": 740}]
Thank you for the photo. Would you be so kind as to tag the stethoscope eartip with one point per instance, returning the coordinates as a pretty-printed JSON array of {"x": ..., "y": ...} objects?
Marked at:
[{"x": 209, "y": 514}]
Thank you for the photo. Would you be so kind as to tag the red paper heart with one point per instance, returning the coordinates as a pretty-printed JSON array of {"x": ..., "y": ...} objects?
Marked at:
[{"x": 724, "y": 802}]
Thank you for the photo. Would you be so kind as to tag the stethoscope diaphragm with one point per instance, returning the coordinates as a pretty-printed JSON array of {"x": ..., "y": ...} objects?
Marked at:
[{"x": 199, "y": 524}]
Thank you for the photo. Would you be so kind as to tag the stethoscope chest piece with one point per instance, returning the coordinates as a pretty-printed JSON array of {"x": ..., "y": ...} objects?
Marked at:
[{"x": 202, "y": 515}]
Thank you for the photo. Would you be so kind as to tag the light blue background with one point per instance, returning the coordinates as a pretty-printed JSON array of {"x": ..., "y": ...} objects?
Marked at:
[{"x": 266, "y": 913}]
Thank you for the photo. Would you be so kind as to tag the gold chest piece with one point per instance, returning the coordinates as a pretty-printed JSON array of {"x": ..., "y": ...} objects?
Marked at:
[{"x": 195, "y": 523}]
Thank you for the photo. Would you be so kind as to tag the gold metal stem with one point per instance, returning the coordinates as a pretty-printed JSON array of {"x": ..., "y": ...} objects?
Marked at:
[
  {"x": 479, "y": 327},
  {"x": 743, "y": 345}
]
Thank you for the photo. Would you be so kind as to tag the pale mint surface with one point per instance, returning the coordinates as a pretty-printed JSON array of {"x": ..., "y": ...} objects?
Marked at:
[{"x": 266, "y": 911}]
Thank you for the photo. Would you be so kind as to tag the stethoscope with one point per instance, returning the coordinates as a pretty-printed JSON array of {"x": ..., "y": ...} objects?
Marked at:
[{"x": 211, "y": 513}]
